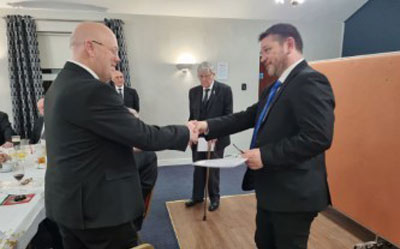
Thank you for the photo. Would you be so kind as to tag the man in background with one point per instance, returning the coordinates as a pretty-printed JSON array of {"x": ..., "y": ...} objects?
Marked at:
[
  {"x": 293, "y": 127},
  {"x": 6, "y": 131},
  {"x": 208, "y": 100},
  {"x": 38, "y": 127},
  {"x": 92, "y": 186},
  {"x": 129, "y": 95},
  {"x": 146, "y": 161}
]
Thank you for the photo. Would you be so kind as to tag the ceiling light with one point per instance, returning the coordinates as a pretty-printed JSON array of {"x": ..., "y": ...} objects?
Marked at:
[
  {"x": 292, "y": 2},
  {"x": 56, "y": 5}
]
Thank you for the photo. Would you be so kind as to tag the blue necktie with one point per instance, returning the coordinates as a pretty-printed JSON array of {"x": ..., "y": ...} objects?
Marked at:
[{"x": 271, "y": 95}]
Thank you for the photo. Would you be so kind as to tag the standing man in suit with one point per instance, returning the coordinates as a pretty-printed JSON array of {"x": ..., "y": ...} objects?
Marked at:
[
  {"x": 92, "y": 187},
  {"x": 129, "y": 95},
  {"x": 6, "y": 131},
  {"x": 146, "y": 161},
  {"x": 38, "y": 127},
  {"x": 293, "y": 127},
  {"x": 208, "y": 100}
]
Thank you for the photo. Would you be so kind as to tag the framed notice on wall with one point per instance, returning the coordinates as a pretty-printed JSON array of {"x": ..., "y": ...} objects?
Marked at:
[{"x": 222, "y": 71}]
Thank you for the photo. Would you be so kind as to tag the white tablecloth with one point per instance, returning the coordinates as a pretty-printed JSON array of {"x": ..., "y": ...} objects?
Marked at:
[{"x": 19, "y": 223}]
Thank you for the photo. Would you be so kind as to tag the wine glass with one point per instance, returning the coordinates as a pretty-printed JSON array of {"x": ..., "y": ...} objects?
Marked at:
[
  {"x": 16, "y": 140},
  {"x": 19, "y": 172},
  {"x": 40, "y": 155}
]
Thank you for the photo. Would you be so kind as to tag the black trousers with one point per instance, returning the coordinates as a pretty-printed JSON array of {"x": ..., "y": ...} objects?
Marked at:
[
  {"x": 199, "y": 177},
  {"x": 282, "y": 230},
  {"x": 146, "y": 163},
  {"x": 117, "y": 237},
  {"x": 47, "y": 236}
]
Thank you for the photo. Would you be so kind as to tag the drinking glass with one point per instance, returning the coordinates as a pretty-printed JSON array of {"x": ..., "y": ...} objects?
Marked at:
[
  {"x": 16, "y": 140},
  {"x": 19, "y": 172}
]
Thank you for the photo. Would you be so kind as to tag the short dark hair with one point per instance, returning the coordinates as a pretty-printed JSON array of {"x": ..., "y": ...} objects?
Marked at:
[{"x": 283, "y": 31}]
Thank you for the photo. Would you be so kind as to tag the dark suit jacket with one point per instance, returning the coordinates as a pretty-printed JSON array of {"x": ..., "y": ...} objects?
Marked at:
[
  {"x": 219, "y": 104},
  {"x": 5, "y": 128},
  {"x": 293, "y": 138},
  {"x": 91, "y": 178},
  {"x": 131, "y": 97},
  {"x": 37, "y": 131}
]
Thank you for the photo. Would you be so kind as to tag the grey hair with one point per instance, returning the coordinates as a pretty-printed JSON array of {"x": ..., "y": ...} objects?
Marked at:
[{"x": 205, "y": 67}]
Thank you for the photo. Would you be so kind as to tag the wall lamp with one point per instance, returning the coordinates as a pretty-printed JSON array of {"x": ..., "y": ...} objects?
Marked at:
[
  {"x": 184, "y": 66},
  {"x": 185, "y": 62}
]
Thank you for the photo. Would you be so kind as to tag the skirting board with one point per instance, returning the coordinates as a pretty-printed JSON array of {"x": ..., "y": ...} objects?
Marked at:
[{"x": 174, "y": 161}]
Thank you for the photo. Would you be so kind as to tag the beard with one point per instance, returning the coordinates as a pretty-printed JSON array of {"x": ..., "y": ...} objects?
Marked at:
[{"x": 278, "y": 67}]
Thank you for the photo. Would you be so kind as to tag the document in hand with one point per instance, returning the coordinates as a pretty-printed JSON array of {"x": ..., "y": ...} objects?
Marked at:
[
  {"x": 202, "y": 145},
  {"x": 221, "y": 162}
]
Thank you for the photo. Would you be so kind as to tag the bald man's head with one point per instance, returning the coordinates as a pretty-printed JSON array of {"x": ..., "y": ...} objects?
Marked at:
[{"x": 95, "y": 45}]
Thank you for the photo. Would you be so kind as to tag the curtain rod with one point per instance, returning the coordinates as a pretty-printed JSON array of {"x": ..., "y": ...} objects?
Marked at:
[
  {"x": 62, "y": 20},
  {"x": 66, "y": 20}
]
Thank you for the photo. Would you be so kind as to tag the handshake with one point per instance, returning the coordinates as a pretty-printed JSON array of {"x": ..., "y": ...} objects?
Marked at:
[{"x": 196, "y": 128}]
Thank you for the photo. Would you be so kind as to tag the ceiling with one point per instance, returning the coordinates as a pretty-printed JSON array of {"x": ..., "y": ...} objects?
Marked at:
[{"x": 310, "y": 10}]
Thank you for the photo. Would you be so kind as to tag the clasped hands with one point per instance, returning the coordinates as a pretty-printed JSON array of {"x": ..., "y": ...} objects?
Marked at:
[
  {"x": 196, "y": 128},
  {"x": 253, "y": 156}
]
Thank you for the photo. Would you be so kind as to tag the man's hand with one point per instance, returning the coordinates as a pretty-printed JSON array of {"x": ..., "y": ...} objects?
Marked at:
[
  {"x": 3, "y": 157},
  {"x": 194, "y": 134},
  {"x": 133, "y": 112},
  {"x": 201, "y": 126},
  {"x": 253, "y": 158},
  {"x": 7, "y": 145}
]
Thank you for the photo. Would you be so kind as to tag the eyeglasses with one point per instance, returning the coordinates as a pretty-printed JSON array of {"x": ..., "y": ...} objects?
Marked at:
[
  {"x": 204, "y": 76},
  {"x": 113, "y": 51}
]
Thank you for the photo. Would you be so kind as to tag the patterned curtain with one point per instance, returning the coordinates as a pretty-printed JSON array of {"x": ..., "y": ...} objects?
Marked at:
[
  {"x": 116, "y": 25},
  {"x": 24, "y": 70}
]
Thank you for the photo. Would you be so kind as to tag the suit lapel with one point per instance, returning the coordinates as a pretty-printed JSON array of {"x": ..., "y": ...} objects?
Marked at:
[
  {"x": 292, "y": 74},
  {"x": 126, "y": 98},
  {"x": 197, "y": 98},
  {"x": 213, "y": 95}
]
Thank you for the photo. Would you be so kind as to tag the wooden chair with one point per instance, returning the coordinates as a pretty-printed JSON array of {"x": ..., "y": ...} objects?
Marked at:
[{"x": 143, "y": 246}]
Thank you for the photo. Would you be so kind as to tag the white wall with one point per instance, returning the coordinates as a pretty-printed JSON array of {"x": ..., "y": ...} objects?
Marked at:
[{"x": 154, "y": 44}]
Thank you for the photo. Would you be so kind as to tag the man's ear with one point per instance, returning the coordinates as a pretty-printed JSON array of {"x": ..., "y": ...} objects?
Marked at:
[
  {"x": 89, "y": 48},
  {"x": 291, "y": 44}
]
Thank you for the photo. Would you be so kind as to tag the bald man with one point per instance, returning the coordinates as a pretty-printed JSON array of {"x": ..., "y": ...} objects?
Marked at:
[{"x": 92, "y": 187}]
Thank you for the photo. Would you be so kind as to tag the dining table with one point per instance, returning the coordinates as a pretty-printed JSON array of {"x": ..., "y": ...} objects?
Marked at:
[{"x": 19, "y": 219}]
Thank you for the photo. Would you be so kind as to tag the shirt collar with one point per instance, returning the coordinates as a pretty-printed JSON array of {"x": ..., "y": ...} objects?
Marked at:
[
  {"x": 288, "y": 70},
  {"x": 119, "y": 87},
  {"x": 86, "y": 68},
  {"x": 211, "y": 86}
]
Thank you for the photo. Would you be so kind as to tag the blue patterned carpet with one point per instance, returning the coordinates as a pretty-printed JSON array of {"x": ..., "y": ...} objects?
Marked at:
[{"x": 175, "y": 183}]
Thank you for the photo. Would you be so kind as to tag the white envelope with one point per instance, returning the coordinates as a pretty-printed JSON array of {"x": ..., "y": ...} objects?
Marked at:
[
  {"x": 202, "y": 145},
  {"x": 230, "y": 162}
]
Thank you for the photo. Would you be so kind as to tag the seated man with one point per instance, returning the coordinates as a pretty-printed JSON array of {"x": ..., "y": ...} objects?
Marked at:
[
  {"x": 38, "y": 128},
  {"x": 48, "y": 235},
  {"x": 3, "y": 157},
  {"x": 5, "y": 131}
]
